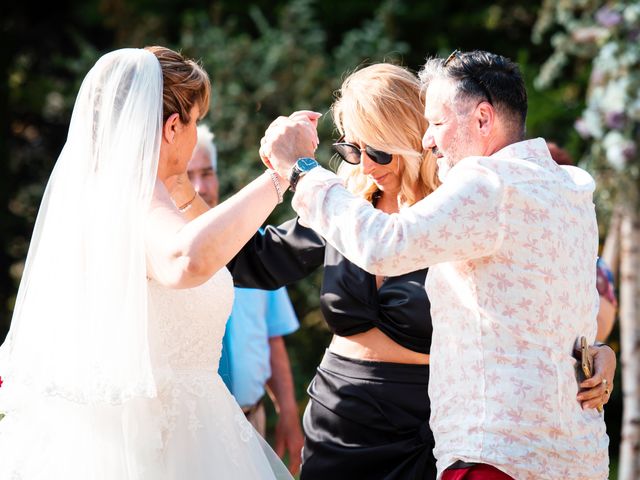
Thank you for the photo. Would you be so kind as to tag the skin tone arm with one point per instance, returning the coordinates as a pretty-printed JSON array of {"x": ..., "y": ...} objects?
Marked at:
[
  {"x": 185, "y": 249},
  {"x": 288, "y": 434},
  {"x": 606, "y": 319},
  {"x": 183, "y": 253}
]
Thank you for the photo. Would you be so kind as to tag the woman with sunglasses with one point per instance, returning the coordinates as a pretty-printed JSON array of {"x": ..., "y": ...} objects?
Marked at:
[{"x": 369, "y": 410}]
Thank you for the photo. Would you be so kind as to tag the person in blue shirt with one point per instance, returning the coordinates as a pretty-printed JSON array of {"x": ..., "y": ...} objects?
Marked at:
[{"x": 254, "y": 356}]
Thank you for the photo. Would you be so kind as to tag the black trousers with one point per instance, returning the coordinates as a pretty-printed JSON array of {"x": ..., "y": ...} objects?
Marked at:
[{"x": 367, "y": 420}]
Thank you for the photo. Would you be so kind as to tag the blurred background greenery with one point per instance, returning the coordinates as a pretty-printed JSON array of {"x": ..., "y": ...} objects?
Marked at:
[{"x": 265, "y": 58}]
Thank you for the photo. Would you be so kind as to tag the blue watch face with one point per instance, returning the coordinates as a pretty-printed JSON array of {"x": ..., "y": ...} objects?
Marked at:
[{"x": 306, "y": 163}]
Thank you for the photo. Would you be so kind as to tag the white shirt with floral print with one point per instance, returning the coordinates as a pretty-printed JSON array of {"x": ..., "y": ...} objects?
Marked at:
[{"x": 512, "y": 241}]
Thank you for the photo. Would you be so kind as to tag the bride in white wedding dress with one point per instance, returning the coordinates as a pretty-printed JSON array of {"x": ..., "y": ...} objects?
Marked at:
[{"x": 110, "y": 365}]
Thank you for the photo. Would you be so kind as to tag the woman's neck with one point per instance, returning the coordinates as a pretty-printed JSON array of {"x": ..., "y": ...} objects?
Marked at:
[{"x": 387, "y": 202}]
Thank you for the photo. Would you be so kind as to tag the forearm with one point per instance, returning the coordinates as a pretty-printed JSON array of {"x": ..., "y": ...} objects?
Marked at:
[
  {"x": 606, "y": 319},
  {"x": 185, "y": 254},
  {"x": 280, "y": 386},
  {"x": 212, "y": 239}
]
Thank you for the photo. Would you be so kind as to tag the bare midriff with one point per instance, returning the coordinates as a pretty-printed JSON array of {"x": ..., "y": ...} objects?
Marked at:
[{"x": 376, "y": 346}]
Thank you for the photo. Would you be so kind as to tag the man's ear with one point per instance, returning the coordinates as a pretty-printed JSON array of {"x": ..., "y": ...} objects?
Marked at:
[
  {"x": 170, "y": 127},
  {"x": 485, "y": 117}
]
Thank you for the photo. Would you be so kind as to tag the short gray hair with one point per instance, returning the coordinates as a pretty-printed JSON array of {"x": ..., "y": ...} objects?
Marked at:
[{"x": 205, "y": 141}]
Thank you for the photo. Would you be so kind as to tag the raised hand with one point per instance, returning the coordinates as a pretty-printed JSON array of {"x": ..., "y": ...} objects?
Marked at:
[{"x": 289, "y": 138}]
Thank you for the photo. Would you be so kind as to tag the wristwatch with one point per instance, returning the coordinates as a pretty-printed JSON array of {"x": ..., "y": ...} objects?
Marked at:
[{"x": 302, "y": 166}]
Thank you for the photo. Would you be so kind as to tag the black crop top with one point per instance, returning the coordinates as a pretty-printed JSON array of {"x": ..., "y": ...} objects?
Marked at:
[{"x": 349, "y": 299}]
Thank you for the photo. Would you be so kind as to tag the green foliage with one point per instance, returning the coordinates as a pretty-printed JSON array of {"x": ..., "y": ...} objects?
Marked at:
[{"x": 285, "y": 67}]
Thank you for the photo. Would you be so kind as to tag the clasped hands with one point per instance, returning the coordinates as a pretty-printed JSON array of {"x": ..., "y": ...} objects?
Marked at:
[{"x": 289, "y": 138}]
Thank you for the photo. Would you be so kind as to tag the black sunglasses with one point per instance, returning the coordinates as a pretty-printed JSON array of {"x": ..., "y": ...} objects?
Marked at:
[
  {"x": 351, "y": 153},
  {"x": 478, "y": 81}
]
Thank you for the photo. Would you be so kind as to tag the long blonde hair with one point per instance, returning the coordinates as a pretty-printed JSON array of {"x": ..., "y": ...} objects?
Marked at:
[{"x": 381, "y": 105}]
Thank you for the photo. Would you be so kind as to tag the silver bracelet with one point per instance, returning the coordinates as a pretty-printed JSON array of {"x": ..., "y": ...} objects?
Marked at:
[{"x": 276, "y": 184}]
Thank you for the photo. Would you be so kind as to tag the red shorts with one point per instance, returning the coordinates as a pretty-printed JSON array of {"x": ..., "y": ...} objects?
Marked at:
[{"x": 481, "y": 471}]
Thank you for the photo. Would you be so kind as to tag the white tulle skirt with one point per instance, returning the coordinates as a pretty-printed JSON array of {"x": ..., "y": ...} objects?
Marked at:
[{"x": 193, "y": 430}]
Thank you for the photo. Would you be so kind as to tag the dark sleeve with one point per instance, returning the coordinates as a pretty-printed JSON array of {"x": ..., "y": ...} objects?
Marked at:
[{"x": 277, "y": 256}]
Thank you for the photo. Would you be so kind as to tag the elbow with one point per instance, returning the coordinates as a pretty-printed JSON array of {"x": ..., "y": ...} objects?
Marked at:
[
  {"x": 194, "y": 270},
  {"x": 194, "y": 266}
]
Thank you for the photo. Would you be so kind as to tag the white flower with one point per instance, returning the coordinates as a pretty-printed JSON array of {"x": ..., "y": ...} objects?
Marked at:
[
  {"x": 595, "y": 96},
  {"x": 618, "y": 149},
  {"x": 614, "y": 97},
  {"x": 591, "y": 123},
  {"x": 607, "y": 60},
  {"x": 632, "y": 13},
  {"x": 608, "y": 51},
  {"x": 633, "y": 109}
]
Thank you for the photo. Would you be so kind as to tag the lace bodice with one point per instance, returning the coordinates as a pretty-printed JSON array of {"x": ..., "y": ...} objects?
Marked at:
[{"x": 186, "y": 326}]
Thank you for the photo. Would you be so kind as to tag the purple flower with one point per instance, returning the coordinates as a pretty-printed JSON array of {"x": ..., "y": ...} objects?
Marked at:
[
  {"x": 608, "y": 17},
  {"x": 615, "y": 120},
  {"x": 629, "y": 150}
]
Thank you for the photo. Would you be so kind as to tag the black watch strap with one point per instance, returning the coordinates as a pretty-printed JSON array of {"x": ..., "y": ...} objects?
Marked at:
[
  {"x": 294, "y": 177},
  {"x": 302, "y": 166}
]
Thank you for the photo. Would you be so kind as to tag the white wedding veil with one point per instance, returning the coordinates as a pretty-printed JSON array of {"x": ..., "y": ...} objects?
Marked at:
[{"x": 79, "y": 328}]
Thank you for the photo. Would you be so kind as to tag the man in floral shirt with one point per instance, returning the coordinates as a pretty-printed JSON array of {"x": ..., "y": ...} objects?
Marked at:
[{"x": 511, "y": 239}]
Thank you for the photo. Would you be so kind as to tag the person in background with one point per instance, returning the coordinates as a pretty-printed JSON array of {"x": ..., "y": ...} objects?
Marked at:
[
  {"x": 605, "y": 282},
  {"x": 254, "y": 354},
  {"x": 608, "y": 301}
]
